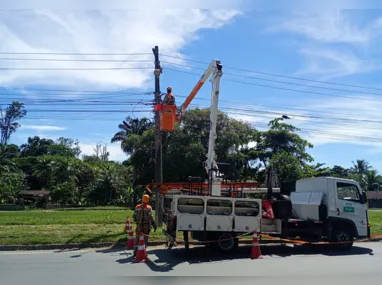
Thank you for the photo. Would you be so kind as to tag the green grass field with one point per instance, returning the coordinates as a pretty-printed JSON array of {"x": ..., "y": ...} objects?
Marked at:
[
  {"x": 82, "y": 226},
  {"x": 375, "y": 218},
  {"x": 66, "y": 226}
]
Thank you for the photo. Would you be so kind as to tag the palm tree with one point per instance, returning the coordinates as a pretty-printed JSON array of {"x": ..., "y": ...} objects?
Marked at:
[
  {"x": 130, "y": 137},
  {"x": 360, "y": 167},
  {"x": 371, "y": 178},
  {"x": 44, "y": 170},
  {"x": 359, "y": 171}
]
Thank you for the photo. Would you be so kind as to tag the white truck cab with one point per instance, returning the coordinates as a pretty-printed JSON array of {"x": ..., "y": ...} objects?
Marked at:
[{"x": 339, "y": 204}]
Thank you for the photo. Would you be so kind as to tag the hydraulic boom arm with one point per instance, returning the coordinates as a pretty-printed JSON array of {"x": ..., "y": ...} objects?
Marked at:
[{"x": 214, "y": 69}]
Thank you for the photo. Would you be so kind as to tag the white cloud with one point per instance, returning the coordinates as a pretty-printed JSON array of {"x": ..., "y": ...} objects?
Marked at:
[
  {"x": 335, "y": 44},
  {"x": 115, "y": 151},
  {"x": 355, "y": 127},
  {"x": 43, "y": 128},
  {"x": 330, "y": 27},
  {"x": 94, "y": 31},
  {"x": 336, "y": 120},
  {"x": 331, "y": 63}
]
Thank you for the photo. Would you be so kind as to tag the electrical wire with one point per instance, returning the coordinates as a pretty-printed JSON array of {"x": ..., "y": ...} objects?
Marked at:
[
  {"x": 73, "y": 53},
  {"x": 174, "y": 57},
  {"x": 71, "y": 90},
  {"x": 310, "y": 130},
  {"x": 344, "y": 136},
  {"x": 280, "y": 107},
  {"x": 87, "y": 111},
  {"x": 77, "y": 60},
  {"x": 283, "y": 88},
  {"x": 278, "y": 75},
  {"x": 72, "y": 69},
  {"x": 278, "y": 81},
  {"x": 86, "y": 100}
]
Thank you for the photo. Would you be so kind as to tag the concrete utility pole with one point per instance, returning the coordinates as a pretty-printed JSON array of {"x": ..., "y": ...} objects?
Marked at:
[{"x": 158, "y": 141}]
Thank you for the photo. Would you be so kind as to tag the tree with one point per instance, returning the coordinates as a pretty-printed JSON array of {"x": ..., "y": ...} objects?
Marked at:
[
  {"x": 111, "y": 184},
  {"x": 12, "y": 179},
  {"x": 370, "y": 179},
  {"x": 132, "y": 136},
  {"x": 282, "y": 143},
  {"x": 360, "y": 167},
  {"x": 66, "y": 146},
  {"x": 101, "y": 152},
  {"x": 288, "y": 168},
  {"x": 9, "y": 118},
  {"x": 36, "y": 146},
  {"x": 315, "y": 170},
  {"x": 64, "y": 193},
  {"x": 186, "y": 148},
  {"x": 339, "y": 171},
  {"x": 45, "y": 170}
]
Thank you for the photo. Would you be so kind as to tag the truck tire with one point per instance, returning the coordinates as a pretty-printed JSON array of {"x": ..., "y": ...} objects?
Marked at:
[
  {"x": 342, "y": 234},
  {"x": 227, "y": 242}
]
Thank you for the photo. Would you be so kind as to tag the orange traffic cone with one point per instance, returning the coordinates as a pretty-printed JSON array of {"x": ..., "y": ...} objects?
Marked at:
[
  {"x": 130, "y": 236},
  {"x": 127, "y": 224},
  {"x": 141, "y": 250},
  {"x": 255, "y": 249}
]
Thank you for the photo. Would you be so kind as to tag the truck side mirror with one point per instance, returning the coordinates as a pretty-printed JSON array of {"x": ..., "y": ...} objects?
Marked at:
[{"x": 364, "y": 197}]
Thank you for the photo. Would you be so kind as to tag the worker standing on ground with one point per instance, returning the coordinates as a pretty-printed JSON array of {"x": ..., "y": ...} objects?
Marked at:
[
  {"x": 169, "y": 99},
  {"x": 144, "y": 220}
]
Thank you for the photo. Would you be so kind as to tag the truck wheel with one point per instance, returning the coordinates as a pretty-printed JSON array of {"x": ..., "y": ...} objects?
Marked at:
[
  {"x": 227, "y": 242},
  {"x": 186, "y": 240},
  {"x": 342, "y": 235}
]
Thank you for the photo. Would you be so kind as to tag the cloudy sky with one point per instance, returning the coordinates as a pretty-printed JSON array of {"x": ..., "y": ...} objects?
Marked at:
[{"x": 80, "y": 72}]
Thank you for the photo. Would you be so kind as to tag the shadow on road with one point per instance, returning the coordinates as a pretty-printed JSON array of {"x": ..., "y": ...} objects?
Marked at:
[{"x": 164, "y": 260}]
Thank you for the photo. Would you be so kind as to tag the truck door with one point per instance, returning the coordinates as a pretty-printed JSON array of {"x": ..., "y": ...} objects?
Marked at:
[{"x": 350, "y": 205}]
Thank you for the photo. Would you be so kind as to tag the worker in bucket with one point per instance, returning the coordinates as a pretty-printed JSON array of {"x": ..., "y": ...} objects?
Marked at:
[
  {"x": 144, "y": 220},
  {"x": 169, "y": 99}
]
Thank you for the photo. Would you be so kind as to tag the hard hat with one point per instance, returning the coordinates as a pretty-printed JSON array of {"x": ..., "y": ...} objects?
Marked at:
[
  {"x": 169, "y": 89},
  {"x": 145, "y": 198}
]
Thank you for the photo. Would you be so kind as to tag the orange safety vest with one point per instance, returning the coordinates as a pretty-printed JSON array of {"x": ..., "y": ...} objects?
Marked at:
[
  {"x": 143, "y": 218},
  {"x": 169, "y": 99}
]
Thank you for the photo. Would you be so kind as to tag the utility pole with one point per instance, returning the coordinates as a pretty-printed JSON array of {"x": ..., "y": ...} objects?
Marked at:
[{"x": 158, "y": 142}]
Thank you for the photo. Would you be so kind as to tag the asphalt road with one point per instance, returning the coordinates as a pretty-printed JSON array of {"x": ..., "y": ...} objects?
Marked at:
[{"x": 284, "y": 264}]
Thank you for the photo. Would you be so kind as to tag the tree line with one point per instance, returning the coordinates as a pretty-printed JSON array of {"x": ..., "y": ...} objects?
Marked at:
[{"x": 245, "y": 153}]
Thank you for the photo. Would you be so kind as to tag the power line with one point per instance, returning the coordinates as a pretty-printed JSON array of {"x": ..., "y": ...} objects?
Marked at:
[
  {"x": 282, "y": 76},
  {"x": 73, "y": 53},
  {"x": 91, "y": 104},
  {"x": 71, "y": 69},
  {"x": 80, "y": 91},
  {"x": 303, "y": 129},
  {"x": 244, "y": 112},
  {"x": 283, "y": 88},
  {"x": 249, "y": 111},
  {"x": 88, "y": 111},
  {"x": 277, "y": 107},
  {"x": 84, "y": 100},
  {"x": 78, "y": 60},
  {"x": 278, "y": 81},
  {"x": 257, "y": 125}
]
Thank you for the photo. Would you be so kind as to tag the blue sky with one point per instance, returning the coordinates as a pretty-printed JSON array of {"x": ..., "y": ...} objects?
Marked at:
[{"x": 338, "y": 46}]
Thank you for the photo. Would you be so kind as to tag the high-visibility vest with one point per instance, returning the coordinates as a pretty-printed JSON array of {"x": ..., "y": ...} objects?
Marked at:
[
  {"x": 169, "y": 99},
  {"x": 143, "y": 216}
]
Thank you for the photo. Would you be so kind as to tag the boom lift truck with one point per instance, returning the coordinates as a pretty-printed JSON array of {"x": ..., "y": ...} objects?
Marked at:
[{"x": 321, "y": 209}]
